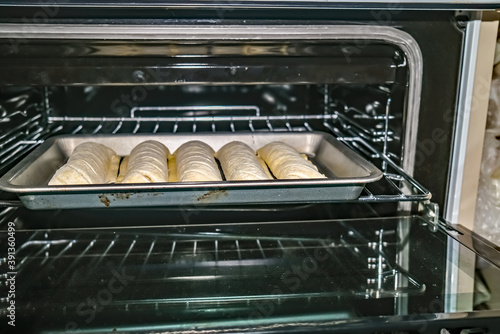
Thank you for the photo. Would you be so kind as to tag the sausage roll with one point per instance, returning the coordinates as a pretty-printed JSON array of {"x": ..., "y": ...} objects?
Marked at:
[
  {"x": 286, "y": 163},
  {"x": 195, "y": 162},
  {"x": 147, "y": 163},
  {"x": 89, "y": 163},
  {"x": 240, "y": 163}
]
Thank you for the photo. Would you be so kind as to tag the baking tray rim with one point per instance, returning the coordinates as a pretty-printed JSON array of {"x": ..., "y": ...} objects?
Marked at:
[{"x": 374, "y": 174}]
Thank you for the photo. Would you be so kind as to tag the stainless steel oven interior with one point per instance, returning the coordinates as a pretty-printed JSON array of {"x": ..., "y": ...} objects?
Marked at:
[{"x": 386, "y": 261}]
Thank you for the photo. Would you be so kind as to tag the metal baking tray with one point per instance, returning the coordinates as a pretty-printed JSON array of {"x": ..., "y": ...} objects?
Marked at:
[{"x": 347, "y": 174}]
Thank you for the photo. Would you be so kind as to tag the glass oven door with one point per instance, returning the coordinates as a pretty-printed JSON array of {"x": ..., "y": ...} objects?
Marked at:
[{"x": 336, "y": 274}]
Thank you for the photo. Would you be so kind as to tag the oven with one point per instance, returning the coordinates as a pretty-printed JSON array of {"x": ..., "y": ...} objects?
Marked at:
[{"x": 401, "y": 84}]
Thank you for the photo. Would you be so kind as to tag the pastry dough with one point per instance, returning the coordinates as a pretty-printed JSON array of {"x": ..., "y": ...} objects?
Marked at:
[
  {"x": 196, "y": 162},
  {"x": 240, "y": 163},
  {"x": 147, "y": 163},
  {"x": 309, "y": 161},
  {"x": 90, "y": 163},
  {"x": 286, "y": 163}
]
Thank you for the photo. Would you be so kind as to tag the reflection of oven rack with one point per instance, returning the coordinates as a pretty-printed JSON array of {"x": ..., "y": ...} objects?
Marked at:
[
  {"x": 368, "y": 130},
  {"x": 209, "y": 268}
]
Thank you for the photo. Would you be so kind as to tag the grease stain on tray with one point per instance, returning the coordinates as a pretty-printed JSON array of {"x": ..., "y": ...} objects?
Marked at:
[
  {"x": 104, "y": 200},
  {"x": 113, "y": 197},
  {"x": 212, "y": 195},
  {"x": 121, "y": 195}
]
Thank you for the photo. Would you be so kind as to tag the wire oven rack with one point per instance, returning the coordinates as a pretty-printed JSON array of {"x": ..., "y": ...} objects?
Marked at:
[
  {"x": 36, "y": 122},
  {"x": 216, "y": 268}
]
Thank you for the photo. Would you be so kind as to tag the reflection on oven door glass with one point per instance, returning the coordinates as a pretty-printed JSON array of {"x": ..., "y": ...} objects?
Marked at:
[{"x": 243, "y": 274}]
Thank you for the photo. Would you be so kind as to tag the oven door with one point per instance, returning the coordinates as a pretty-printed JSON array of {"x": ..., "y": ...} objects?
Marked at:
[{"x": 345, "y": 275}]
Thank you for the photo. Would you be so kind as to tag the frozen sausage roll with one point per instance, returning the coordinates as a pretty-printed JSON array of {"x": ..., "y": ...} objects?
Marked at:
[
  {"x": 286, "y": 163},
  {"x": 89, "y": 163},
  {"x": 147, "y": 163},
  {"x": 195, "y": 162},
  {"x": 240, "y": 163}
]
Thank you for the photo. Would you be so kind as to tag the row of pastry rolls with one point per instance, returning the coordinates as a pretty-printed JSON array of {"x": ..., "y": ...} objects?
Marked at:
[
  {"x": 194, "y": 161},
  {"x": 239, "y": 162},
  {"x": 148, "y": 162}
]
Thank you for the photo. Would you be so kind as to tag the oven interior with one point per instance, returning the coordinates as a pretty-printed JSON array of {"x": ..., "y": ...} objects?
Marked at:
[
  {"x": 209, "y": 266},
  {"x": 358, "y": 95}
]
